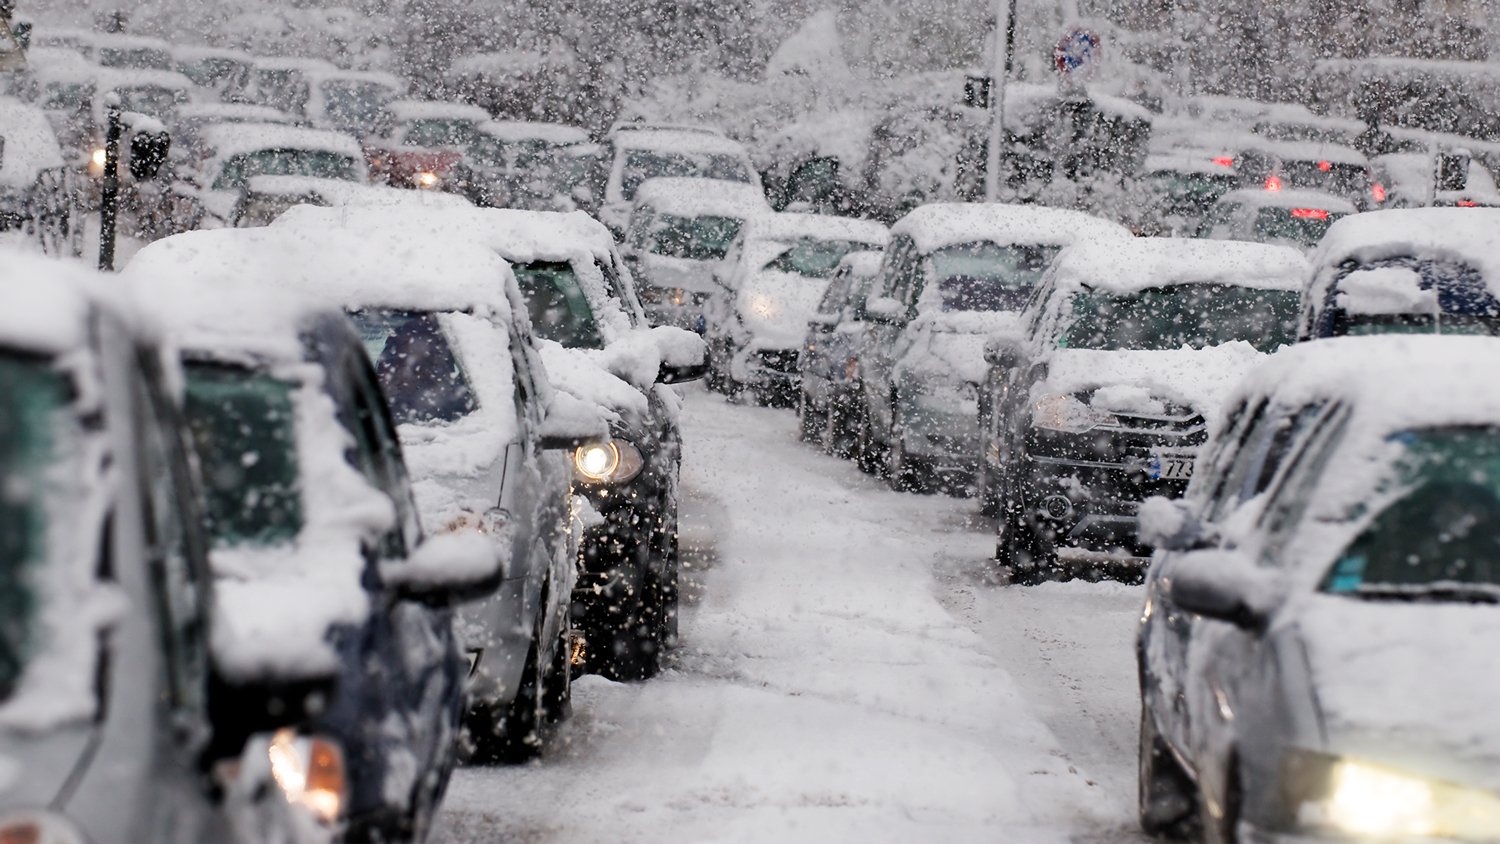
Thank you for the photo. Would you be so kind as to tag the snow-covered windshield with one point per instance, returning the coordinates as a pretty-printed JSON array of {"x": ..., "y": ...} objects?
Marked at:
[
  {"x": 1192, "y": 315},
  {"x": 705, "y": 238},
  {"x": 211, "y": 71},
  {"x": 986, "y": 276},
  {"x": 144, "y": 58},
  {"x": 1410, "y": 296},
  {"x": 418, "y": 371},
  {"x": 33, "y": 398},
  {"x": 1302, "y": 226},
  {"x": 643, "y": 164},
  {"x": 320, "y": 164},
  {"x": 244, "y": 431},
  {"x": 557, "y": 305},
  {"x": 357, "y": 107},
  {"x": 816, "y": 258},
  {"x": 434, "y": 132},
  {"x": 152, "y": 100},
  {"x": 1440, "y": 540},
  {"x": 1190, "y": 194}
]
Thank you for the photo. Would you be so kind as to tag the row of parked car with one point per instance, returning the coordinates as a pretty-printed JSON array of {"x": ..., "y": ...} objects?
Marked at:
[{"x": 301, "y": 516}]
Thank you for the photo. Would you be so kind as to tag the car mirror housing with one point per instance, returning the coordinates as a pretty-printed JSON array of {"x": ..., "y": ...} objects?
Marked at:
[
  {"x": 1003, "y": 350},
  {"x": 571, "y": 423},
  {"x": 1168, "y": 523},
  {"x": 885, "y": 309},
  {"x": 451, "y": 568},
  {"x": 684, "y": 355},
  {"x": 1224, "y": 585}
]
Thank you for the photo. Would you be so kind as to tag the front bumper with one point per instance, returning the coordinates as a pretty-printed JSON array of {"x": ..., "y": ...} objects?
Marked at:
[{"x": 664, "y": 308}]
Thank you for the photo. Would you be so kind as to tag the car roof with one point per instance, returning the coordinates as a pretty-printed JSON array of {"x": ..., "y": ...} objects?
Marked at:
[
  {"x": 106, "y": 78},
  {"x": 1289, "y": 198},
  {"x": 693, "y": 197},
  {"x": 943, "y": 224},
  {"x": 520, "y": 130},
  {"x": 46, "y": 302},
  {"x": 245, "y": 112},
  {"x": 676, "y": 140},
  {"x": 404, "y": 110},
  {"x": 230, "y": 139},
  {"x": 793, "y": 226},
  {"x": 230, "y": 314},
  {"x": 1141, "y": 263}
]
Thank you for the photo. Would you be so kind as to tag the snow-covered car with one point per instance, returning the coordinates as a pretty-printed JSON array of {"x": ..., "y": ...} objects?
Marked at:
[
  {"x": 315, "y": 545},
  {"x": 1185, "y": 184},
  {"x": 771, "y": 281},
  {"x": 680, "y": 231},
  {"x": 532, "y": 166},
  {"x": 111, "y": 709},
  {"x": 28, "y": 147},
  {"x": 320, "y": 93},
  {"x": 596, "y": 345},
  {"x": 425, "y": 143},
  {"x": 1421, "y": 180},
  {"x": 108, "y": 49},
  {"x": 282, "y": 83},
  {"x": 1103, "y": 394},
  {"x": 193, "y": 118},
  {"x": 952, "y": 274},
  {"x": 827, "y": 361},
  {"x": 264, "y": 198},
  {"x": 230, "y": 154},
  {"x": 73, "y": 95},
  {"x": 1286, "y": 217},
  {"x": 212, "y": 69},
  {"x": 482, "y": 430},
  {"x": 1319, "y": 617},
  {"x": 637, "y": 153},
  {"x": 1331, "y": 168},
  {"x": 1406, "y": 271}
]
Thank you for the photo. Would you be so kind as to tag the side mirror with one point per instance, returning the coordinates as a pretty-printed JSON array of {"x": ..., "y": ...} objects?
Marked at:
[
  {"x": 1003, "y": 350},
  {"x": 571, "y": 423},
  {"x": 451, "y": 568},
  {"x": 1168, "y": 523},
  {"x": 1222, "y": 584},
  {"x": 684, "y": 355},
  {"x": 885, "y": 309}
]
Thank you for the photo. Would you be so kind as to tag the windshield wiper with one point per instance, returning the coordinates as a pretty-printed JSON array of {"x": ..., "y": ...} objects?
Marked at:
[{"x": 1474, "y": 593}]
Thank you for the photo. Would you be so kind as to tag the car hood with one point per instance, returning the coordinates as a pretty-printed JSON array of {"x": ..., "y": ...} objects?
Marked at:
[
  {"x": 951, "y": 345},
  {"x": 775, "y": 306},
  {"x": 1139, "y": 381},
  {"x": 1410, "y": 685},
  {"x": 666, "y": 271}
]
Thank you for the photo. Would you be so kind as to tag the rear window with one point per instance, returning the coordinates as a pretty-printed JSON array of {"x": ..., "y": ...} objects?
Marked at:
[
  {"x": 1192, "y": 315},
  {"x": 1409, "y": 296},
  {"x": 320, "y": 164},
  {"x": 439, "y": 133},
  {"x": 705, "y": 238},
  {"x": 1302, "y": 226},
  {"x": 986, "y": 276},
  {"x": 642, "y": 164},
  {"x": 557, "y": 305},
  {"x": 421, "y": 377}
]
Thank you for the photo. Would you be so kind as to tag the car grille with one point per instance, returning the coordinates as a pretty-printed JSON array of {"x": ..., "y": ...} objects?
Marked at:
[
  {"x": 779, "y": 360},
  {"x": 1125, "y": 445}
]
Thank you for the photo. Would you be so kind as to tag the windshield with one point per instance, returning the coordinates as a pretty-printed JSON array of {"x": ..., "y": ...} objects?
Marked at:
[
  {"x": 281, "y": 89},
  {"x": 243, "y": 424},
  {"x": 1441, "y": 537},
  {"x": 816, "y": 258},
  {"x": 144, "y": 58},
  {"x": 558, "y": 308},
  {"x": 513, "y": 155},
  {"x": 643, "y": 164},
  {"x": 986, "y": 276},
  {"x": 356, "y": 106},
  {"x": 439, "y": 133},
  {"x": 1298, "y": 226},
  {"x": 418, "y": 371},
  {"x": 705, "y": 238},
  {"x": 1409, "y": 296},
  {"x": 33, "y": 399},
  {"x": 1191, "y": 315},
  {"x": 212, "y": 71},
  {"x": 1190, "y": 194},
  {"x": 157, "y": 102},
  {"x": 285, "y": 162}
]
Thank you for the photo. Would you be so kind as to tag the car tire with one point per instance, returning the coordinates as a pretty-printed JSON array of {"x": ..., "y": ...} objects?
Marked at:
[
  {"x": 510, "y": 733},
  {"x": 870, "y": 454},
  {"x": 986, "y": 487},
  {"x": 1168, "y": 798},
  {"x": 622, "y": 642},
  {"x": 838, "y": 440},
  {"x": 1222, "y": 829},
  {"x": 812, "y": 421}
]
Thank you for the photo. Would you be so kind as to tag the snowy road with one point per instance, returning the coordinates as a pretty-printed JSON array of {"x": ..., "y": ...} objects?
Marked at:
[{"x": 849, "y": 672}]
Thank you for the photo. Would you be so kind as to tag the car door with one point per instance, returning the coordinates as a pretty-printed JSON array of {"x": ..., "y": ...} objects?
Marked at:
[{"x": 898, "y": 278}]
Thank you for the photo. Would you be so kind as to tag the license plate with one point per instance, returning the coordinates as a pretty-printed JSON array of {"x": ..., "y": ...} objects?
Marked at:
[{"x": 1170, "y": 466}]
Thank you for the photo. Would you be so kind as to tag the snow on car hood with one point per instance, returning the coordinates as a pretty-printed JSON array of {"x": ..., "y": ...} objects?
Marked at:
[
  {"x": 775, "y": 306},
  {"x": 589, "y": 375},
  {"x": 1408, "y": 684},
  {"x": 684, "y": 273},
  {"x": 1197, "y": 378},
  {"x": 952, "y": 344}
]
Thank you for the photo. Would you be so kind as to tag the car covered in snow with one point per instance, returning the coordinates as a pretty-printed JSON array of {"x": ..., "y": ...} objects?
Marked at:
[
  {"x": 112, "y": 711},
  {"x": 771, "y": 281},
  {"x": 193, "y": 118},
  {"x": 520, "y": 164},
  {"x": 28, "y": 147},
  {"x": 826, "y": 364},
  {"x": 1103, "y": 394},
  {"x": 73, "y": 94},
  {"x": 264, "y": 198},
  {"x": 316, "y": 546},
  {"x": 597, "y": 348},
  {"x": 231, "y": 154},
  {"x": 108, "y": 49},
  {"x": 1185, "y": 184},
  {"x": 212, "y": 69},
  {"x": 1284, "y": 216},
  {"x": 1315, "y": 644},
  {"x": 1424, "y": 179},
  {"x": 1298, "y": 165},
  {"x": 283, "y": 83},
  {"x": 424, "y": 144},
  {"x": 953, "y": 274},
  {"x": 1406, "y": 271},
  {"x": 637, "y": 153},
  {"x": 680, "y": 231}
]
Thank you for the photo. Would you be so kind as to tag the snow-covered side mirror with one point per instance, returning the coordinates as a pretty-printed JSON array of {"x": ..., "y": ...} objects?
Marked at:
[
  {"x": 1222, "y": 584},
  {"x": 1003, "y": 349},
  {"x": 684, "y": 355},
  {"x": 885, "y": 309},
  {"x": 454, "y": 567},
  {"x": 571, "y": 422},
  {"x": 1168, "y": 523}
]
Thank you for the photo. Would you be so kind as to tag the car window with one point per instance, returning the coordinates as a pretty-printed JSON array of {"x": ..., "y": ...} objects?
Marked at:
[
  {"x": 1222, "y": 217},
  {"x": 643, "y": 164},
  {"x": 1406, "y": 295},
  {"x": 421, "y": 377},
  {"x": 901, "y": 270},
  {"x": 439, "y": 133},
  {"x": 1261, "y": 452},
  {"x": 377, "y": 453},
  {"x": 815, "y": 258},
  {"x": 985, "y": 276},
  {"x": 1192, "y": 315},
  {"x": 1301, "y": 226},
  {"x": 243, "y": 425},
  {"x": 357, "y": 106},
  {"x": 1292, "y": 489},
  {"x": 837, "y": 293},
  {"x": 284, "y": 162},
  {"x": 703, "y": 238},
  {"x": 559, "y": 310}
]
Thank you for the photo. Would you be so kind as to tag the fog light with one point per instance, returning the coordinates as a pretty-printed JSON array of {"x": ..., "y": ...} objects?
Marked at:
[{"x": 1057, "y": 507}]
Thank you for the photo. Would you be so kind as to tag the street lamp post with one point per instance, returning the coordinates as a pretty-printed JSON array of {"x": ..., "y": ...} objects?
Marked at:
[
  {"x": 109, "y": 196},
  {"x": 1004, "y": 10}
]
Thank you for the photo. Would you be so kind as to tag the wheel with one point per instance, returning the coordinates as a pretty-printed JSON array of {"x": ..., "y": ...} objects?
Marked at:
[
  {"x": 869, "y": 454},
  {"x": 813, "y": 421},
  {"x": 1168, "y": 797},
  {"x": 985, "y": 488},
  {"x": 904, "y": 472},
  {"x": 837, "y": 439},
  {"x": 557, "y": 690},
  {"x": 510, "y": 733}
]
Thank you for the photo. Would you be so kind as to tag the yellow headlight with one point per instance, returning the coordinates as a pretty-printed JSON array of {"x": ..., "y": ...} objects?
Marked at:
[
  {"x": 616, "y": 461},
  {"x": 310, "y": 771},
  {"x": 99, "y": 157},
  {"x": 1373, "y": 801},
  {"x": 426, "y": 179}
]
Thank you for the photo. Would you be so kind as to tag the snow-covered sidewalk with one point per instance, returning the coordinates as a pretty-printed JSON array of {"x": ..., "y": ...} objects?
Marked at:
[{"x": 822, "y": 693}]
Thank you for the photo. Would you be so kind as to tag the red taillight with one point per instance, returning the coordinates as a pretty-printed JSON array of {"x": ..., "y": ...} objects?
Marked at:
[
  {"x": 1224, "y": 161},
  {"x": 1310, "y": 213},
  {"x": 1273, "y": 183},
  {"x": 1324, "y": 166},
  {"x": 1466, "y": 203},
  {"x": 1379, "y": 191}
]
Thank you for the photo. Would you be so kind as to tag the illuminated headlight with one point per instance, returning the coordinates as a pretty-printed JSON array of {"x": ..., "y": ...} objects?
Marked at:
[
  {"x": 40, "y": 827},
  {"x": 763, "y": 306},
  {"x": 310, "y": 770},
  {"x": 427, "y": 179},
  {"x": 667, "y": 296},
  {"x": 99, "y": 157},
  {"x": 1371, "y": 801},
  {"x": 1067, "y": 414},
  {"x": 614, "y": 462}
]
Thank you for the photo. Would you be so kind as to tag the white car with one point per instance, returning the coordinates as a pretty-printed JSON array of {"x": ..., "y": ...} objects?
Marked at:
[
  {"x": 28, "y": 146},
  {"x": 635, "y": 154},
  {"x": 230, "y": 155}
]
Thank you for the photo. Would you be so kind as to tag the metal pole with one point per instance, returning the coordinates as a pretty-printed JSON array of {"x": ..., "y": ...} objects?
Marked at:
[
  {"x": 110, "y": 194},
  {"x": 1002, "y": 63}
]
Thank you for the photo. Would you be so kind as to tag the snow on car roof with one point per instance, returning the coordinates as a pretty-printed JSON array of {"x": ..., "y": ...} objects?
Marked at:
[
  {"x": 292, "y": 63},
  {"x": 1124, "y": 267},
  {"x": 340, "y": 192},
  {"x": 520, "y": 130},
  {"x": 948, "y": 223},
  {"x": 1307, "y": 151},
  {"x": 30, "y": 144},
  {"x": 696, "y": 197},
  {"x": 1470, "y": 235},
  {"x": 45, "y": 302},
  {"x": 106, "y": 78},
  {"x": 794, "y": 226},
  {"x": 231, "y": 113},
  {"x": 672, "y": 140},
  {"x": 1289, "y": 198},
  {"x": 194, "y": 52},
  {"x": 230, "y": 139},
  {"x": 405, "y": 110}
]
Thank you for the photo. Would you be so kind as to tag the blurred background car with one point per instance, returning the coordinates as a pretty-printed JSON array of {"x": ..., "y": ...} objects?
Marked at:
[
  {"x": 1283, "y": 216},
  {"x": 827, "y": 364},
  {"x": 532, "y": 166},
  {"x": 424, "y": 144},
  {"x": 637, "y": 152},
  {"x": 234, "y": 153}
]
